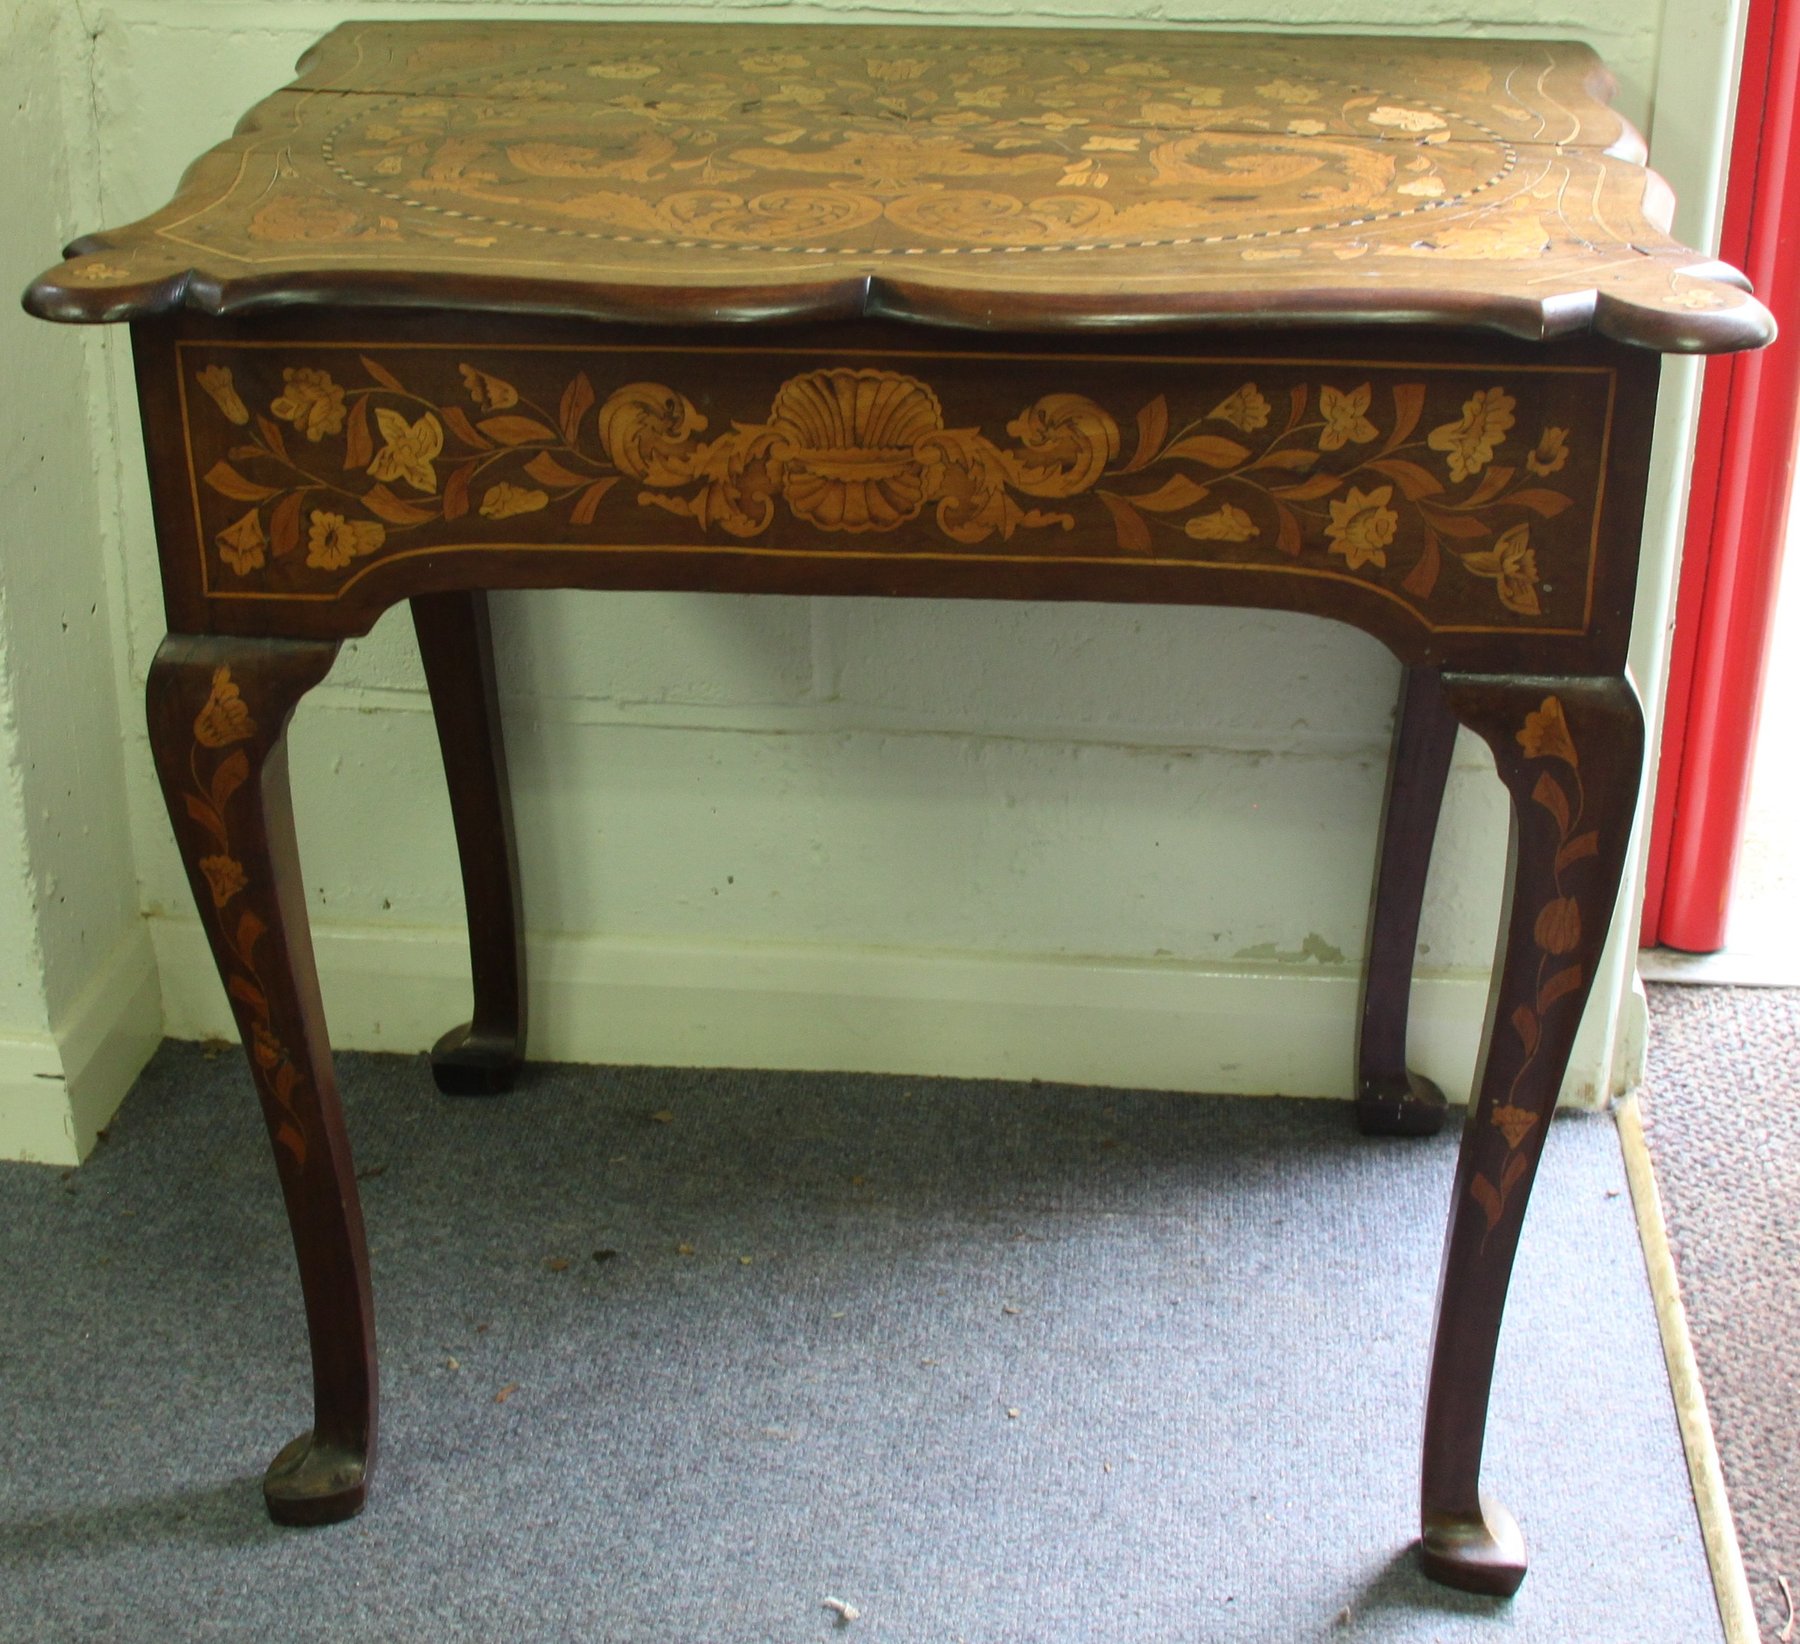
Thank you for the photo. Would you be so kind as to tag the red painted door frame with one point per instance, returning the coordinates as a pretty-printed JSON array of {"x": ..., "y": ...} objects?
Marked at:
[{"x": 1737, "y": 512}]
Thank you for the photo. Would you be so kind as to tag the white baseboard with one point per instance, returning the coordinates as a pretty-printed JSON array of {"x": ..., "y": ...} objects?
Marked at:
[
  {"x": 1165, "y": 1026},
  {"x": 58, "y": 1089}
]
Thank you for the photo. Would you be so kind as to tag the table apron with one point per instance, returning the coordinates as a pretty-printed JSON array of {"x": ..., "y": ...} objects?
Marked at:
[{"x": 1470, "y": 504}]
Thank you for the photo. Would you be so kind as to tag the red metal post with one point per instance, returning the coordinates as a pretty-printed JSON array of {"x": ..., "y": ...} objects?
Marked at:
[{"x": 1743, "y": 479}]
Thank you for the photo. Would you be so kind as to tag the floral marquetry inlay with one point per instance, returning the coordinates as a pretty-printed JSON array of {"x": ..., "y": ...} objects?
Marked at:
[
  {"x": 628, "y": 171},
  {"x": 1468, "y": 496}
]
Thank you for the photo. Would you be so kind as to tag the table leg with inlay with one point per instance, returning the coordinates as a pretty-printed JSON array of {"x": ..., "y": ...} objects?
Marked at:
[
  {"x": 1570, "y": 752},
  {"x": 218, "y": 713}
]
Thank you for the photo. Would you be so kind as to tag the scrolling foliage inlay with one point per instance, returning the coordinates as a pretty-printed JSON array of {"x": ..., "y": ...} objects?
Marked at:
[
  {"x": 1470, "y": 497},
  {"x": 1556, "y": 934},
  {"x": 217, "y": 768}
]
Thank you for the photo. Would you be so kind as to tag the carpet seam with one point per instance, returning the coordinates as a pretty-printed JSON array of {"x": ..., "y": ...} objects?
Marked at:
[{"x": 1718, "y": 1530}]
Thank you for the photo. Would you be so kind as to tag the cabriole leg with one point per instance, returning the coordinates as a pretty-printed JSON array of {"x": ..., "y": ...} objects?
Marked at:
[
  {"x": 1570, "y": 753},
  {"x": 481, "y": 1057},
  {"x": 218, "y": 711},
  {"x": 1390, "y": 1099}
]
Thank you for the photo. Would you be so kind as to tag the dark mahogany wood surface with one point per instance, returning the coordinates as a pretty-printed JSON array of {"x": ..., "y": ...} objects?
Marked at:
[
  {"x": 1470, "y": 500},
  {"x": 998, "y": 179}
]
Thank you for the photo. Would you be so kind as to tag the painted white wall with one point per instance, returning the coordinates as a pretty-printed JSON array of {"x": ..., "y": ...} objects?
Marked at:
[
  {"x": 78, "y": 1002},
  {"x": 1061, "y": 841}
]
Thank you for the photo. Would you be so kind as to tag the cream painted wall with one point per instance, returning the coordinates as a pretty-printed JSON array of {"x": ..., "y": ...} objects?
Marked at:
[
  {"x": 78, "y": 1003},
  {"x": 1062, "y": 841}
]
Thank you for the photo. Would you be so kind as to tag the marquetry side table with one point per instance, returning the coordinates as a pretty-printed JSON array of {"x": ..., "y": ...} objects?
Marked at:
[{"x": 1357, "y": 327}]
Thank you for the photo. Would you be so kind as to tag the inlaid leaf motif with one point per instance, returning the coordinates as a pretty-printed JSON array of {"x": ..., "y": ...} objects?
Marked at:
[
  {"x": 1152, "y": 430},
  {"x": 546, "y": 470},
  {"x": 1488, "y": 1197},
  {"x": 515, "y": 430},
  {"x": 1309, "y": 490},
  {"x": 1177, "y": 492},
  {"x": 202, "y": 812},
  {"x": 1132, "y": 528},
  {"x": 1493, "y": 482},
  {"x": 1287, "y": 531},
  {"x": 1549, "y": 793},
  {"x": 1582, "y": 845},
  {"x": 577, "y": 401},
  {"x": 1422, "y": 578},
  {"x": 588, "y": 503},
  {"x": 457, "y": 421},
  {"x": 228, "y": 482},
  {"x": 1462, "y": 526},
  {"x": 1409, "y": 406},
  {"x": 395, "y": 509},
  {"x": 456, "y": 491},
  {"x": 1290, "y": 458},
  {"x": 1414, "y": 482},
  {"x": 230, "y": 775},
  {"x": 247, "y": 992},
  {"x": 1515, "y": 1167},
  {"x": 1564, "y": 982},
  {"x": 1212, "y": 449},
  {"x": 1547, "y": 503},
  {"x": 359, "y": 444},
  {"x": 284, "y": 524},
  {"x": 249, "y": 931},
  {"x": 382, "y": 375}
]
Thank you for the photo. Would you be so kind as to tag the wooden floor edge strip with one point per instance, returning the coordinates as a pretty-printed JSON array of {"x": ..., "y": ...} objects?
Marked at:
[{"x": 1731, "y": 1586}]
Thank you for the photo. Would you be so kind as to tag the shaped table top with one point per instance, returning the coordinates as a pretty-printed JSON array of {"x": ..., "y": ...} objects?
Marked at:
[{"x": 1004, "y": 179}]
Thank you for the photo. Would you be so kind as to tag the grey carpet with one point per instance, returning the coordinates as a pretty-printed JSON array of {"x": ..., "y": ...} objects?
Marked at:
[
  {"x": 1721, "y": 1112},
  {"x": 1211, "y": 1317}
]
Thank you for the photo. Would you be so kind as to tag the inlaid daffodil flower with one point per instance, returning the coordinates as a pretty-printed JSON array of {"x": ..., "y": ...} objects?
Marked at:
[
  {"x": 334, "y": 541},
  {"x": 409, "y": 450},
  {"x": 311, "y": 401},
  {"x": 1545, "y": 733},
  {"x": 1468, "y": 445},
  {"x": 1247, "y": 409},
  {"x": 1513, "y": 565},
  {"x": 216, "y": 380},
  {"x": 1552, "y": 452},
  {"x": 241, "y": 544},
  {"x": 225, "y": 716},
  {"x": 1362, "y": 526}
]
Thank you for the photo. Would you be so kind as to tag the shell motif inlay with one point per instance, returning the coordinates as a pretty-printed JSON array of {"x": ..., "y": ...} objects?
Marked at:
[{"x": 1470, "y": 497}]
